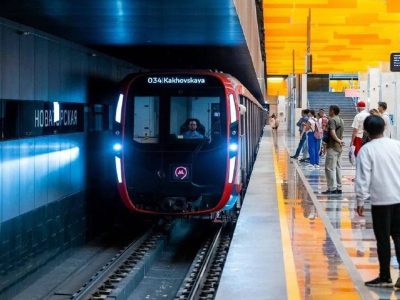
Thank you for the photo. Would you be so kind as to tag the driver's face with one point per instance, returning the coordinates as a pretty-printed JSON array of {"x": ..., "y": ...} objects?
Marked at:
[{"x": 193, "y": 126}]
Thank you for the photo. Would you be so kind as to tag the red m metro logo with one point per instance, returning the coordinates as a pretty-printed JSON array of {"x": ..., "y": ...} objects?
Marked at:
[{"x": 181, "y": 172}]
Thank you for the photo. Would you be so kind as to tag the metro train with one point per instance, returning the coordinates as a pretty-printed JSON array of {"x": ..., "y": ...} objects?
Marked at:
[{"x": 185, "y": 142}]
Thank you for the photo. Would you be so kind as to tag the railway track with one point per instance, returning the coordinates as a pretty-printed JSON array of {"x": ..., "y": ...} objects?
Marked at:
[
  {"x": 131, "y": 275},
  {"x": 205, "y": 273},
  {"x": 108, "y": 282},
  {"x": 183, "y": 263}
]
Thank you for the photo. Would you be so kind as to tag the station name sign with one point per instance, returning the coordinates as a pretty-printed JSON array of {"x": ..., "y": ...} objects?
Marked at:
[
  {"x": 395, "y": 62},
  {"x": 21, "y": 119},
  {"x": 175, "y": 80}
]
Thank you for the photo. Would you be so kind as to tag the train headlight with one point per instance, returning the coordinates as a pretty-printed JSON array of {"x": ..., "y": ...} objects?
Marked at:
[
  {"x": 117, "y": 147},
  {"x": 233, "y": 147},
  {"x": 118, "y": 168}
]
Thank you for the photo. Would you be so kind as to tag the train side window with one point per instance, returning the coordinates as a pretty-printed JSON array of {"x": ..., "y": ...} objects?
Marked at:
[{"x": 146, "y": 119}]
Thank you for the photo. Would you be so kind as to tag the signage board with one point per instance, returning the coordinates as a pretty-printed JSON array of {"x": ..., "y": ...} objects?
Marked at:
[
  {"x": 395, "y": 62},
  {"x": 21, "y": 119},
  {"x": 353, "y": 93}
]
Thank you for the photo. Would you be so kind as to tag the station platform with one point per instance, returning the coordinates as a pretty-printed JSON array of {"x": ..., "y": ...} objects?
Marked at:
[{"x": 292, "y": 242}]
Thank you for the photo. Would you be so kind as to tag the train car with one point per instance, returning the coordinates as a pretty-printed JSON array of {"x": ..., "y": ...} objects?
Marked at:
[{"x": 185, "y": 142}]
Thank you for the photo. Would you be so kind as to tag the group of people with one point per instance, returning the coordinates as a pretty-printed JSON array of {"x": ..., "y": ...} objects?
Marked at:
[
  {"x": 312, "y": 129},
  {"x": 377, "y": 172}
]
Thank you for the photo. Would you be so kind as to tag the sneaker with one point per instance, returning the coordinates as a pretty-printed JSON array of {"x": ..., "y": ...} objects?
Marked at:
[
  {"x": 310, "y": 166},
  {"x": 397, "y": 285},
  {"x": 294, "y": 157},
  {"x": 338, "y": 191},
  {"x": 316, "y": 166},
  {"x": 328, "y": 192},
  {"x": 379, "y": 282},
  {"x": 304, "y": 159}
]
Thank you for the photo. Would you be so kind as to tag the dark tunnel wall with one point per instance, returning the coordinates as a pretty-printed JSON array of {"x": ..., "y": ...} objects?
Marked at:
[{"x": 43, "y": 179}]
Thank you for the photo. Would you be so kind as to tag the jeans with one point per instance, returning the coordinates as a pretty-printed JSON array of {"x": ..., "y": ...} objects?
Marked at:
[
  {"x": 313, "y": 149},
  {"x": 305, "y": 147},
  {"x": 386, "y": 224},
  {"x": 319, "y": 147},
  {"x": 301, "y": 145},
  {"x": 333, "y": 170}
]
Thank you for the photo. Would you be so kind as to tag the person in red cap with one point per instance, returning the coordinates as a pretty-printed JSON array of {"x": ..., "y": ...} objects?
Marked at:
[{"x": 358, "y": 127}]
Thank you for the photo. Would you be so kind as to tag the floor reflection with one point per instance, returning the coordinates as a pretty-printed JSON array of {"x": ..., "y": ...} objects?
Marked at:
[{"x": 321, "y": 272}]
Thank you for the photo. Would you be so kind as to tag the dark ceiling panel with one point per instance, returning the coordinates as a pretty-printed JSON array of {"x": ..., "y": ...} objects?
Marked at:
[
  {"x": 150, "y": 33},
  {"x": 132, "y": 22}
]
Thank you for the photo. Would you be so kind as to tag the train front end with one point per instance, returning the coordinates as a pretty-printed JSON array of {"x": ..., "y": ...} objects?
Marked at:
[{"x": 177, "y": 143}]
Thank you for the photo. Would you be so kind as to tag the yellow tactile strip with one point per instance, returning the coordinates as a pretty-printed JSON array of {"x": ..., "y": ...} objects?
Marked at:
[{"x": 320, "y": 273}]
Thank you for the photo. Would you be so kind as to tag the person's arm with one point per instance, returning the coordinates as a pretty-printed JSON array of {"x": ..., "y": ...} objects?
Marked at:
[
  {"x": 335, "y": 137},
  {"x": 353, "y": 136},
  {"x": 355, "y": 131},
  {"x": 363, "y": 179}
]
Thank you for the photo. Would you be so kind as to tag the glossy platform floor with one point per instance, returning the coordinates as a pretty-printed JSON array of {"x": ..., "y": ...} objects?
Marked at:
[{"x": 332, "y": 249}]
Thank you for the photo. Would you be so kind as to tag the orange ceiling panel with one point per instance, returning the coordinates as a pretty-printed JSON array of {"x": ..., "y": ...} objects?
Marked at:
[
  {"x": 346, "y": 35},
  {"x": 393, "y": 6}
]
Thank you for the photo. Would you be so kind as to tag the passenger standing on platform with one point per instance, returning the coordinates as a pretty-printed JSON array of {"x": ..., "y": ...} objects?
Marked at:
[
  {"x": 314, "y": 136},
  {"x": 312, "y": 144},
  {"x": 382, "y": 106},
  {"x": 303, "y": 136},
  {"x": 377, "y": 181},
  {"x": 358, "y": 127},
  {"x": 333, "y": 149},
  {"x": 323, "y": 121},
  {"x": 274, "y": 122}
]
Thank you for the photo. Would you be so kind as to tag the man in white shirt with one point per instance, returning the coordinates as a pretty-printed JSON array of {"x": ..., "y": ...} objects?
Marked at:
[
  {"x": 358, "y": 127},
  {"x": 377, "y": 181},
  {"x": 382, "y": 106}
]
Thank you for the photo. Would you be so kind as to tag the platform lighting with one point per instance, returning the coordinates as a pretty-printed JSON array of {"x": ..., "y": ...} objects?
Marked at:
[
  {"x": 118, "y": 111},
  {"x": 118, "y": 168},
  {"x": 117, "y": 147},
  {"x": 275, "y": 79}
]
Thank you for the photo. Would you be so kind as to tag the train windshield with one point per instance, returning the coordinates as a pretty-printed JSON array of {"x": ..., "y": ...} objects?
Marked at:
[
  {"x": 176, "y": 116},
  {"x": 146, "y": 119}
]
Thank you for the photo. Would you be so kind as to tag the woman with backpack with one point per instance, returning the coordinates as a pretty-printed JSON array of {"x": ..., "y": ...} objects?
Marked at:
[{"x": 314, "y": 136}]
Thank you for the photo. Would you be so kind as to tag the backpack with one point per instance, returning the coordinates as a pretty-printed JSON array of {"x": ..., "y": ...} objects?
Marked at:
[{"x": 318, "y": 132}]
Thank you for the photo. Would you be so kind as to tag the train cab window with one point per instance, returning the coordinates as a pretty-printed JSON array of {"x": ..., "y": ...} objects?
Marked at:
[
  {"x": 195, "y": 118},
  {"x": 146, "y": 119}
]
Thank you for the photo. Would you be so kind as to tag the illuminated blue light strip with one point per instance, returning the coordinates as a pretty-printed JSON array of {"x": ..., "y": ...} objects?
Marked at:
[
  {"x": 118, "y": 168},
  {"x": 118, "y": 112},
  {"x": 232, "y": 162},
  {"x": 232, "y": 108},
  {"x": 231, "y": 202}
]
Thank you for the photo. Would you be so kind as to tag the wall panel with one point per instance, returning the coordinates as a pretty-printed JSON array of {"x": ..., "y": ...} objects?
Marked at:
[
  {"x": 43, "y": 179},
  {"x": 10, "y": 64},
  {"x": 26, "y": 67}
]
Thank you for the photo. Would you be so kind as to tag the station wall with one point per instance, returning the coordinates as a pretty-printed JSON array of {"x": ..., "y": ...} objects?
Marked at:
[{"x": 43, "y": 179}]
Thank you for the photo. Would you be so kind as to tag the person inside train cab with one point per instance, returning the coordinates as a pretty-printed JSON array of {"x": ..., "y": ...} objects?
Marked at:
[{"x": 192, "y": 130}]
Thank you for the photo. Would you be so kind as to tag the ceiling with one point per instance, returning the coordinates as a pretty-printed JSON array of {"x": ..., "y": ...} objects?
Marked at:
[
  {"x": 150, "y": 33},
  {"x": 347, "y": 36}
]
